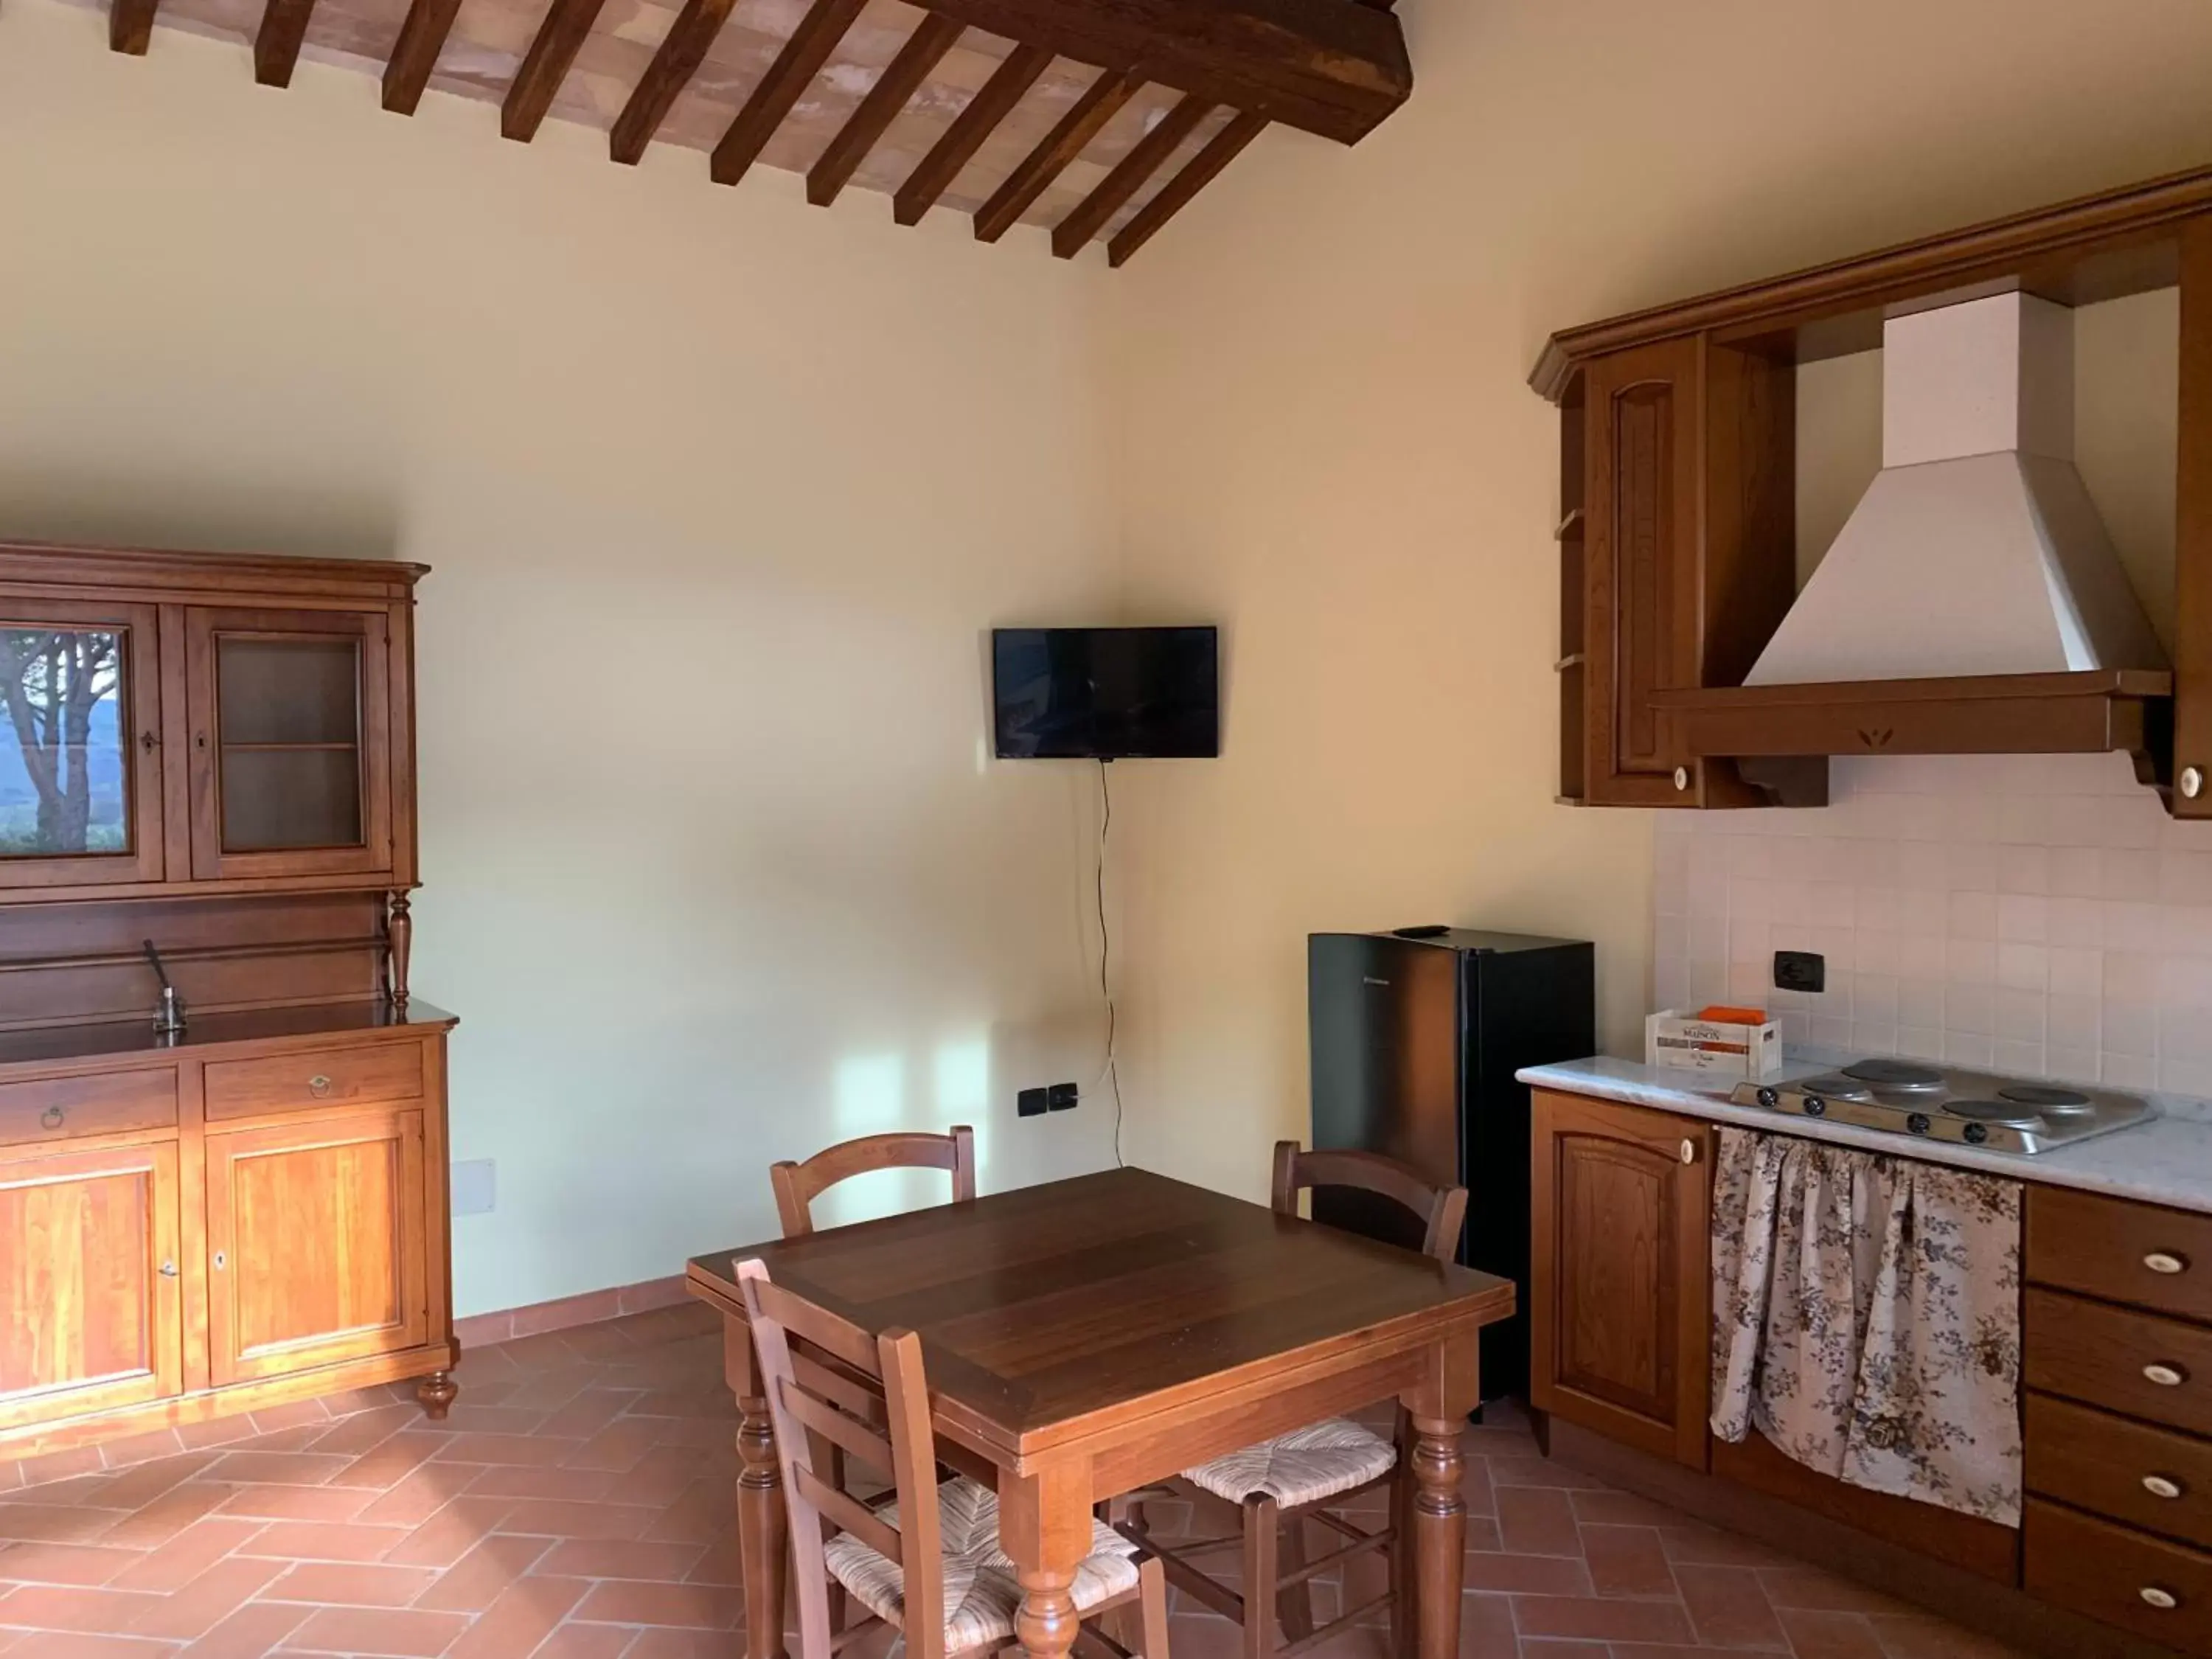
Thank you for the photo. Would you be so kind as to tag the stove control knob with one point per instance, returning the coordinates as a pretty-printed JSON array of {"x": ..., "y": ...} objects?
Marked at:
[
  {"x": 1918, "y": 1123},
  {"x": 1767, "y": 1097},
  {"x": 1815, "y": 1107},
  {"x": 1976, "y": 1134}
]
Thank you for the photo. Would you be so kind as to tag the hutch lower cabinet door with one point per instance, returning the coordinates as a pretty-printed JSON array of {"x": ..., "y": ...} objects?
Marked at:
[
  {"x": 90, "y": 1288},
  {"x": 1620, "y": 1295},
  {"x": 316, "y": 1238}
]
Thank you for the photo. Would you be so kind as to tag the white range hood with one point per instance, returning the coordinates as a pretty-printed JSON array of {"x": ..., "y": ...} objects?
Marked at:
[{"x": 1977, "y": 549}]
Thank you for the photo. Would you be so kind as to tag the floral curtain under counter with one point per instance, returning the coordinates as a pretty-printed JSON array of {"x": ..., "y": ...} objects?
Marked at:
[{"x": 1866, "y": 1318}]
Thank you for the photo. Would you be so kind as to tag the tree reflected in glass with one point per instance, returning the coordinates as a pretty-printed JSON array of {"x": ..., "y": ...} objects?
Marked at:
[{"x": 61, "y": 750}]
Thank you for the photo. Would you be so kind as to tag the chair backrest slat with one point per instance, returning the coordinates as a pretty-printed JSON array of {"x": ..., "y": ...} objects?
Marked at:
[
  {"x": 797, "y": 1185},
  {"x": 1441, "y": 1210},
  {"x": 835, "y": 1396},
  {"x": 833, "y": 1425}
]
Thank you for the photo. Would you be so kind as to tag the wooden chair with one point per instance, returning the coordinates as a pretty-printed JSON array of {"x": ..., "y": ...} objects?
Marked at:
[
  {"x": 1311, "y": 1474},
  {"x": 797, "y": 1185},
  {"x": 928, "y": 1563}
]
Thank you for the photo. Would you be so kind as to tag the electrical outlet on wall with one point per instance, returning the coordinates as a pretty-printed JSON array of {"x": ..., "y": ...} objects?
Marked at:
[
  {"x": 1800, "y": 971},
  {"x": 476, "y": 1186},
  {"x": 1031, "y": 1102},
  {"x": 1063, "y": 1097}
]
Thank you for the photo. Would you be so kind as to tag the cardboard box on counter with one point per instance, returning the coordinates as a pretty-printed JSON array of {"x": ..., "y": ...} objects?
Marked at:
[{"x": 1680, "y": 1041}]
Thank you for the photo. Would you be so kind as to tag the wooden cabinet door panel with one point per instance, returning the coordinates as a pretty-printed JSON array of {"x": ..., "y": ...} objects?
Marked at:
[
  {"x": 1643, "y": 451},
  {"x": 81, "y": 725},
  {"x": 316, "y": 1241},
  {"x": 90, "y": 1308},
  {"x": 291, "y": 770},
  {"x": 1621, "y": 1297}
]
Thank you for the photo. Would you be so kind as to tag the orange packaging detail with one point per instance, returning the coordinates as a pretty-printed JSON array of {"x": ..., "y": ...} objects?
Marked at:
[{"x": 1721, "y": 1014}]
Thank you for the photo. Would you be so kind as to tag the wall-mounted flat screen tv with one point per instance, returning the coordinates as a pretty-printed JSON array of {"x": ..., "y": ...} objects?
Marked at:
[{"x": 1106, "y": 693}]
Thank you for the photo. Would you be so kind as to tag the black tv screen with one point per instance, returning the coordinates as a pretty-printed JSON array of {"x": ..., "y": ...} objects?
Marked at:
[{"x": 1106, "y": 693}]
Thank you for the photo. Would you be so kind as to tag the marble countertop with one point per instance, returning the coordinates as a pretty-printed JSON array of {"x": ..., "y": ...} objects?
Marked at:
[{"x": 2167, "y": 1160}]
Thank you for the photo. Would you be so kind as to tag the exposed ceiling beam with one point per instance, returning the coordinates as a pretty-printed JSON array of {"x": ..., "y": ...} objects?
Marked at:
[
  {"x": 415, "y": 54},
  {"x": 560, "y": 38},
  {"x": 1049, "y": 159},
  {"x": 921, "y": 53},
  {"x": 1225, "y": 147},
  {"x": 793, "y": 72},
  {"x": 1331, "y": 67},
  {"x": 131, "y": 26},
  {"x": 670, "y": 72},
  {"x": 1149, "y": 154},
  {"x": 975, "y": 122},
  {"x": 277, "y": 46}
]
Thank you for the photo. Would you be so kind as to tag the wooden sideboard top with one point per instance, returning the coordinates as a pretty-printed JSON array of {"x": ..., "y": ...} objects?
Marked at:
[{"x": 55, "y": 1045}]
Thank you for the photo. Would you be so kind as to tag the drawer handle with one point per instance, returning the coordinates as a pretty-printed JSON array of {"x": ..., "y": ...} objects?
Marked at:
[
  {"x": 51, "y": 1118},
  {"x": 319, "y": 1086},
  {"x": 2158, "y": 1261},
  {"x": 2164, "y": 1600},
  {"x": 2160, "y": 1485},
  {"x": 2166, "y": 1376}
]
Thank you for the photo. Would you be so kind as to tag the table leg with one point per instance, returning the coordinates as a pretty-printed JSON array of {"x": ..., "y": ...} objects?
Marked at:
[
  {"x": 1044, "y": 1525},
  {"x": 764, "y": 1523},
  {"x": 1439, "y": 1534}
]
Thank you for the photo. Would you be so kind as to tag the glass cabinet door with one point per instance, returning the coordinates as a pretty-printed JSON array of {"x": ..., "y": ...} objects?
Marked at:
[
  {"x": 289, "y": 722},
  {"x": 80, "y": 736}
]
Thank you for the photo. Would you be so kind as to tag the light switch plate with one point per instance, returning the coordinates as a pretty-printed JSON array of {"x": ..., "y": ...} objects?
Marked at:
[{"x": 476, "y": 1186}]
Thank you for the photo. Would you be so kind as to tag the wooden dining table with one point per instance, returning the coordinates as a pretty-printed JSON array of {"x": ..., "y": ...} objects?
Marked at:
[{"x": 1086, "y": 1337}]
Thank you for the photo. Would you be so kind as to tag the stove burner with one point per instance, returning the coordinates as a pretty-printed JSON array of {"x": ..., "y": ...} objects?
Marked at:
[
  {"x": 1834, "y": 1086},
  {"x": 1898, "y": 1074},
  {"x": 1993, "y": 1111},
  {"x": 2044, "y": 1099}
]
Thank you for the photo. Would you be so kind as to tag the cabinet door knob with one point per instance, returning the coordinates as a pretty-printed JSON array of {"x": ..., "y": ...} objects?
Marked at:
[
  {"x": 221, "y": 1261},
  {"x": 149, "y": 742},
  {"x": 2164, "y": 1600},
  {"x": 1681, "y": 779},
  {"x": 52, "y": 1118},
  {"x": 2160, "y": 1485},
  {"x": 319, "y": 1086},
  {"x": 1689, "y": 1150},
  {"x": 168, "y": 1270},
  {"x": 2160, "y": 1262},
  {"x": 2166, "y": 1376}
]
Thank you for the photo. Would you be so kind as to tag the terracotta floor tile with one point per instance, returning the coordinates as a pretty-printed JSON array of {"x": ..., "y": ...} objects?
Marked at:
[
  {"x": 594, "y": 1642},
  {"x": 483, "y": 1575},
  {"x": 532, "y": 1448},
  {"x": 351, "y": 1584},
  {"x": 249, "y": 1633},
  {"x": 557, "y": 1518},
  {"x": 1597, "y": 1619},
  {"x": 388, "y": 1632},
  {"x": 326, "y": 1541},
  {"x": 80, "y": 1644},
  {"x": 294, "y": 1503},
  {"x": 1918, "y": 1636},
  {"x": 451, "y": 1533},
  {"x": 1626, "y": 1561},
  {"x": 521, "y": 1619},
  {"x": 1546, "y": 1647},
  {"x": 590, "y": 1412},
  {"x": 1811, "y": 1589},
  {"x": 620, "y": 1557},
  {"x": 1537, "y": 1521},
  {"x": 60, "y": 1607},
  {"x": 364, "y": 1431},
  {"x": 190, "y": 1554},
  {"x": 712, "y": 1644},
  {"x": 1728, "y": 1607},
  {"x": 276, "y": 1468},
  {"x": 137, "y": 1487},
  {"x": 635, "y": 1602},
  {"x": 415, "y": 1498},
  {"x": 574, "y": 1486},
  {"x": 1486, "y": 1627},
  {"x": 54, "y": 1523},
  {"x": 1815, "y": 1633},
  {"x": 1709, "y": 1546},
  {"x": 64, "y": 1563},
  {"x": 1528, "y": 1574},
  {"x": 194, "y": 1609},
  {"x": 167, "y": 1516}
]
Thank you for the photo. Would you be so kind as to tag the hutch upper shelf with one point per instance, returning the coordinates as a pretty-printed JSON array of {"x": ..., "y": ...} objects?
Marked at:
[
  {"x": 1677, "y": 539},
  {"x": 174, "y": 726}
]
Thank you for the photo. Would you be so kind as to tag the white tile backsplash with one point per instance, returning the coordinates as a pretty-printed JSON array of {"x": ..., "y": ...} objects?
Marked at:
[{"x": 2039, "y": 914}]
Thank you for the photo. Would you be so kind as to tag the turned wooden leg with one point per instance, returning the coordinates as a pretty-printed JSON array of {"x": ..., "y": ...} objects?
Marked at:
[
  {"x": 1439, "y": 1542},
  {"x": 437, "y": 1392},
  {"x": 1044, "y": 1527},
  {"x": 764, "y": 1523},
  {"x": 399, "y": 938}
]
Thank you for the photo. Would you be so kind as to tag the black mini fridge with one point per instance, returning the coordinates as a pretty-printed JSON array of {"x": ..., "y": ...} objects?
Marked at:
[{"x": 1416, "y": 1036}]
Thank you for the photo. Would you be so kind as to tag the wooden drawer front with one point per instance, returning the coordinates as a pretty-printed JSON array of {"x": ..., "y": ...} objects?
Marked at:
[
  {"x": 2113, "y": 1357},
  {"x": 315, "y": 1076},
  {"x": 2150, "y": 1477},
  {"x": 103, "y": 1103},
  {"x": 2118, "y": 1576},
  {"x": 2123, "y": 1252}
]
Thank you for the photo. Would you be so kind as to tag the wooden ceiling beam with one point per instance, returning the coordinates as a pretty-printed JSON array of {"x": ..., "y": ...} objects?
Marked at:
[
  {"x": 1050, "y": 158},
  {"x": 560, "y": 38},
  {"x": 897, "y": 84},
  {"x": 976, "y": 121},
  {"x": 276, "y": 45},
  {"x": 131, "y": 26},
  {"x": 787, "y": 78},
  {"x": 415, "y": 54},
  {"x": 1225, "y": 147},
  {"x": 1146, "y": 157},
  {"x": 670, "y": 72},
  {"x": 1332, "y": 67}
]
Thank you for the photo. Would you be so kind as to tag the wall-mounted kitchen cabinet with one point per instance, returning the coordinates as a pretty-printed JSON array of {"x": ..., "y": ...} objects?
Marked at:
[
  {"x": 1677, "y": 540},
  {"x": 186, "y": 727}
]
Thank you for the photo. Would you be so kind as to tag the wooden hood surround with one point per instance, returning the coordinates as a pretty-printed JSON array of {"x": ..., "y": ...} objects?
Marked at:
[
  {"x": 1099, "y": 119},
  {"x": 1678, "y": 545}
]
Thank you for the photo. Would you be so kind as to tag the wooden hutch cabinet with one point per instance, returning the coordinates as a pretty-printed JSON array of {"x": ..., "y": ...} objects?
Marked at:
[
  {"x": 1678, "y": 435},
  {"x": 212, "y": 756}
]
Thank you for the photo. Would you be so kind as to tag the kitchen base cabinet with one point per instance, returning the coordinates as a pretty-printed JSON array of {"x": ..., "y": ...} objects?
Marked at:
[
  {"x": 91, "y": 1313},
  {"x": 207, "y": 1266},
  {"x": 2159, "y": 1589},
  {"x": 1620, "y": 1293}
]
